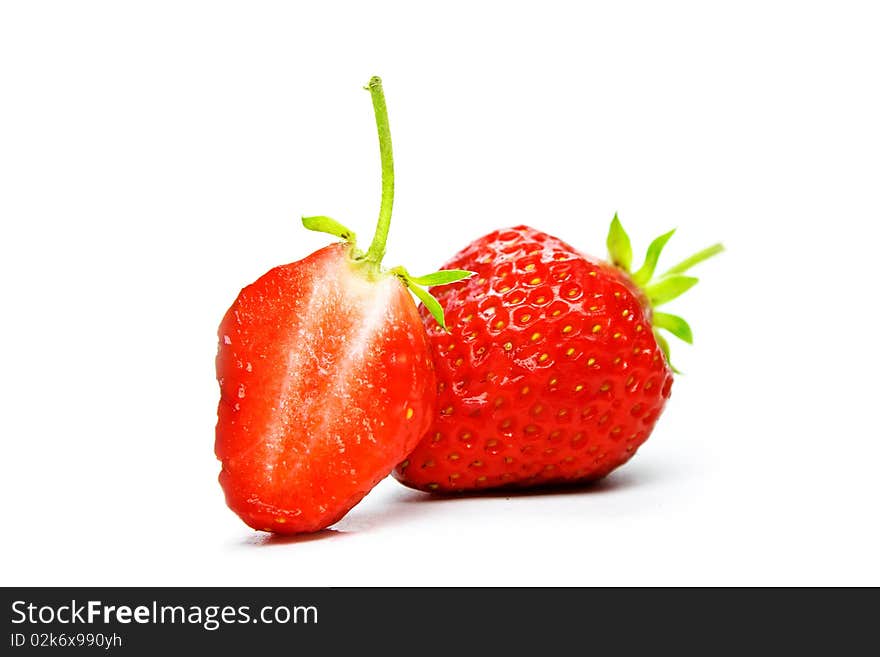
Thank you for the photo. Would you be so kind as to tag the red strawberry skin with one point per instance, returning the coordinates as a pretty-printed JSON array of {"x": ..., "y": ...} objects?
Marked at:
[
  {"x": 550, "y": 374},
  {"x": 326, "y": 383}
]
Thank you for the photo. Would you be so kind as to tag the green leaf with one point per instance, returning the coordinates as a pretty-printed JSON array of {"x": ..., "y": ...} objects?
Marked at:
[
  {"x": 431, "y": 304},
  {"x": 442, "y": 277},
  {"x": 619, "y": 246},
  {"x": 668, "y": 288},
  {"x": 675, "y": 325},
  {"x": 330, "y": 226},
  {"x": 643, "y": 275},
  {"x": 664, "y": 347},
  {"x": 695, "y": 259},
  {"x": 423, "y": 295}
]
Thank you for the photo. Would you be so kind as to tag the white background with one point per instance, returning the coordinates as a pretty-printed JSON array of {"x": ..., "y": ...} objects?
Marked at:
[{"x": 155, "y": 158}]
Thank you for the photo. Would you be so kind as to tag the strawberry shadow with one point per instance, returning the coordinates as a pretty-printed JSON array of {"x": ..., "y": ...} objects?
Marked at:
[
  {"x": 615, "y": 482},
  {"x": 265, "y": 539},
  {"x": 408, "y": 502}
]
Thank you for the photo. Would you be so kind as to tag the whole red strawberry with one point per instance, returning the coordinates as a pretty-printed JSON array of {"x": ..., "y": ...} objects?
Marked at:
[
  {"x": 553, "y": 370},
  {"x": 326, "y": 381}
]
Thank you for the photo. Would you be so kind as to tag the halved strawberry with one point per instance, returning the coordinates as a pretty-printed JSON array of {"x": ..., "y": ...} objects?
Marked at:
[{"x": 325, "y": 376}]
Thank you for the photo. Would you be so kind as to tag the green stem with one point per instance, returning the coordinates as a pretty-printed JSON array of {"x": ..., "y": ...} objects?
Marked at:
[
  {"x": 376, "y": 251},
  {"x": 695, "y": 259}
]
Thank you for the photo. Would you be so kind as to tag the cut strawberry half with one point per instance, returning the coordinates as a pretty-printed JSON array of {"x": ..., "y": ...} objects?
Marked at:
[{"x": 325, "y": 376}]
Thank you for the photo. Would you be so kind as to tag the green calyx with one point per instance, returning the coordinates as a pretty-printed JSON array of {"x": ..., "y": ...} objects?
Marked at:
[
  {"x": 661, "y": 289},
  {"x": 371, "y": 261}
]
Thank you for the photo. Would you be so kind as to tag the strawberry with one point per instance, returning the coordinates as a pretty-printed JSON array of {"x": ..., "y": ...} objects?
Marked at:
[
  {"x": 554, "y": 370},
  {"x": 325, "y": 376}
]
